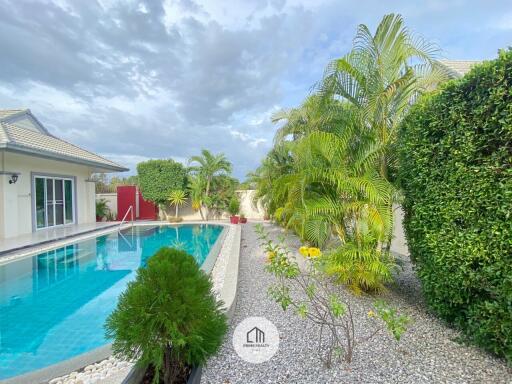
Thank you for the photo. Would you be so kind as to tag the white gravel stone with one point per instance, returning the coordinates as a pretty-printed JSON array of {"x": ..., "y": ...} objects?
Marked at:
[
  {"x": 427, "y": 353},
  {"x": 94, "y": 373},
  {"x": 219, "y": 269}
]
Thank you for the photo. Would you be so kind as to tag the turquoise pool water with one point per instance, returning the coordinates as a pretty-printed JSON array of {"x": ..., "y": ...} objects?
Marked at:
[{"x": 53, "y": 305}]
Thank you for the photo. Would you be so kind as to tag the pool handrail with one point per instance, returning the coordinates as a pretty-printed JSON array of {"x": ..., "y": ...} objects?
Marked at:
[{"x": 130, "y": 209}]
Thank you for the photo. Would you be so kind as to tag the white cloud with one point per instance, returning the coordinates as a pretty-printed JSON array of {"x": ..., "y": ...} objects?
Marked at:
[
  {"x": 142, "y": 79},
  {"x": 246, "y": 138}
]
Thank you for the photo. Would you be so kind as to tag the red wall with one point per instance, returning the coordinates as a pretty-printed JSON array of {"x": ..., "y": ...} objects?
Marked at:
[
  {"x": 147, "y": 209},
  {"x": 127, "y": 196}
]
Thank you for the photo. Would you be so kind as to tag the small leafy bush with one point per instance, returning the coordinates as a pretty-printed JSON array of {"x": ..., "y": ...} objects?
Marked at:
[
  {"x": 455, "y": 155},
  {"x": 168, "y": 317},
  {"x": 102, "y": 209},
  {"x": 314, "y": 296}
]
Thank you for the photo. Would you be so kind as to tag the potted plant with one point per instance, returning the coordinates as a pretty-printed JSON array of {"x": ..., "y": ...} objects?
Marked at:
[
  {"x": 233, "y": 209},
  {"x": 171, "y": 328},
  {"x": 243, "y": 219},
  {"x": 101, "y": 209}
]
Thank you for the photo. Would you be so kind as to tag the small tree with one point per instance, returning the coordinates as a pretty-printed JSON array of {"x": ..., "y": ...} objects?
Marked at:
[
  {"x": 177, "y": 198},
  {"x": 196, "y": 191},
  {"x": 157, "y": 178},
  {"x": 234, "y": 206},
  {"x": 209, "y": 167},
  {"x": 168, "y": 317}
]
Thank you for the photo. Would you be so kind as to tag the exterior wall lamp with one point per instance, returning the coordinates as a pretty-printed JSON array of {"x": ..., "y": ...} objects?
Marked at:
[{"x": 14, "y": 178}]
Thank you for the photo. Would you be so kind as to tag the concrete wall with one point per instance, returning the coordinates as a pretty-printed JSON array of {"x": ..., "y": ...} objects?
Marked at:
[
  {"x": 185, "y": 211},
  {"x": 16, "y": 199},
  {"x": 399, "y": 243},
  {"x": 247, "y": 207}
]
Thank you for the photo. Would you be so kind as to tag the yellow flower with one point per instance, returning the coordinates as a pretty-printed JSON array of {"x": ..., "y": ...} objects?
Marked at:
[
  {"x": 270, "y": 256},
  {"x": 304, "y": 251},
  {"x": 371, "y": 313},
  {"x": 314, "y": 252}
]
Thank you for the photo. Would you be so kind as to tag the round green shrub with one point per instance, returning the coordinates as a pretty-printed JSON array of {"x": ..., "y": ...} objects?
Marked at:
[
  {"x": 168, "y": 317},
  {"x": 455, "y": 168}
]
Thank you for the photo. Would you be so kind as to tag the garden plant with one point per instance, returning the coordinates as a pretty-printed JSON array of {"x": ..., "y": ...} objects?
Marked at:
[
  {"x": 313, "y": 296},
  {"x": 177, "y": 198},
  {"x": 168, "y": 318},
  {"x": 102, "y": 209}
]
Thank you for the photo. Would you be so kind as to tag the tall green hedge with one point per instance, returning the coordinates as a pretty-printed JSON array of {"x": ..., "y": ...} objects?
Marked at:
[
  {"x": 455, "y": 154},
  {"x": 158, "y": 178}
]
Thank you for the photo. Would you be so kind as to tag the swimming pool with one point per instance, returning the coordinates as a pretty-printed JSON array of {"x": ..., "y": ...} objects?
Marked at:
[{"x": 53, "y": 305}]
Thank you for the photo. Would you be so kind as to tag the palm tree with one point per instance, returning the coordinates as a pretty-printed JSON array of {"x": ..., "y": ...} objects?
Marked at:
[
  {"x": 208, "y": 166},
  {"x": 196, "y": 191},
  {"x": 382, "y": 76},
  {"x": 332, "y": 199},
  {"x": 177, "y": 198},
  {"x": 335, "y": 190},
  {"x": 277, "y": 163},
  {"x": 317, "y": 113}
]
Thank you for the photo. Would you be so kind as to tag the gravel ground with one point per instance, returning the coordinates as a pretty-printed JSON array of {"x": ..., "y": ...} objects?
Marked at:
[{"x": 427, "y": 353}]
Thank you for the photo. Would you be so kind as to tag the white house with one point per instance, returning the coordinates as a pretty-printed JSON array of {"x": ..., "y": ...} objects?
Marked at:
[{"x": 44, "y": 181}]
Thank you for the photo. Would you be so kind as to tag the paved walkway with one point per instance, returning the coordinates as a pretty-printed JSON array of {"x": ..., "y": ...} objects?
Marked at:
[
  {"x": 427, "y": 353},
  {"x": 47, "y": 235}
]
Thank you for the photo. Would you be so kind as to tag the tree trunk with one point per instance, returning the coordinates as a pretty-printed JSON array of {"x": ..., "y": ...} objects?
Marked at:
[
  {"x": 207, "y": 186},
  {"x": 206, "y": 194},
  {"x": 168, "y": 369},
  {"x": 176, "y": 211}
]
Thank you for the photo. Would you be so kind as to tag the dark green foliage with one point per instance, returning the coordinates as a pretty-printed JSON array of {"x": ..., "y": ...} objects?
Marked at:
[
  {"x": 157, "y": 178},
  {"x": 455, "y": 152},
  {"x": 222, "y": 190},
  {"x": 102, "y": 208},
  {"x": 168, "y": 316}
]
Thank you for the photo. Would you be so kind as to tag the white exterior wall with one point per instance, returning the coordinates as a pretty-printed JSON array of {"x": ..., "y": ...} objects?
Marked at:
[
  {"x": 248, "y": 207},
  {"x": 16, "y": 199}
]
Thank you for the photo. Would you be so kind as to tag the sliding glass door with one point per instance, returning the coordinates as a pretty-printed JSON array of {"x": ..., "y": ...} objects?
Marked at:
[{"x": 53, "y": 201}]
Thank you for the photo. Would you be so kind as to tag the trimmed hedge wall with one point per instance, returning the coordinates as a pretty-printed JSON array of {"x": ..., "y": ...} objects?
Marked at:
[
  {"x": 158, "y": 178},
  {"x": 455, "y": 153}
]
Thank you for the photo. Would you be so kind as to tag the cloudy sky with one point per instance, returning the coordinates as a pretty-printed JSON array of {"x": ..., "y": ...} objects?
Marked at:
[{"x": 134, "y": 80}]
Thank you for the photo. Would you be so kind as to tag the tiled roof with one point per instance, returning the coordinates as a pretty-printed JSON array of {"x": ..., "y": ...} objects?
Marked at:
[
  {"x": 459, "y": 67},
  {"x": 5, "y": 113},
  {"x": 26, "y": 140}
]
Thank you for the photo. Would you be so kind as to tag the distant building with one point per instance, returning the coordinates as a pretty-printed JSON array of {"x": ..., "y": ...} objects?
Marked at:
[{"x": 459, "y": 68}]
